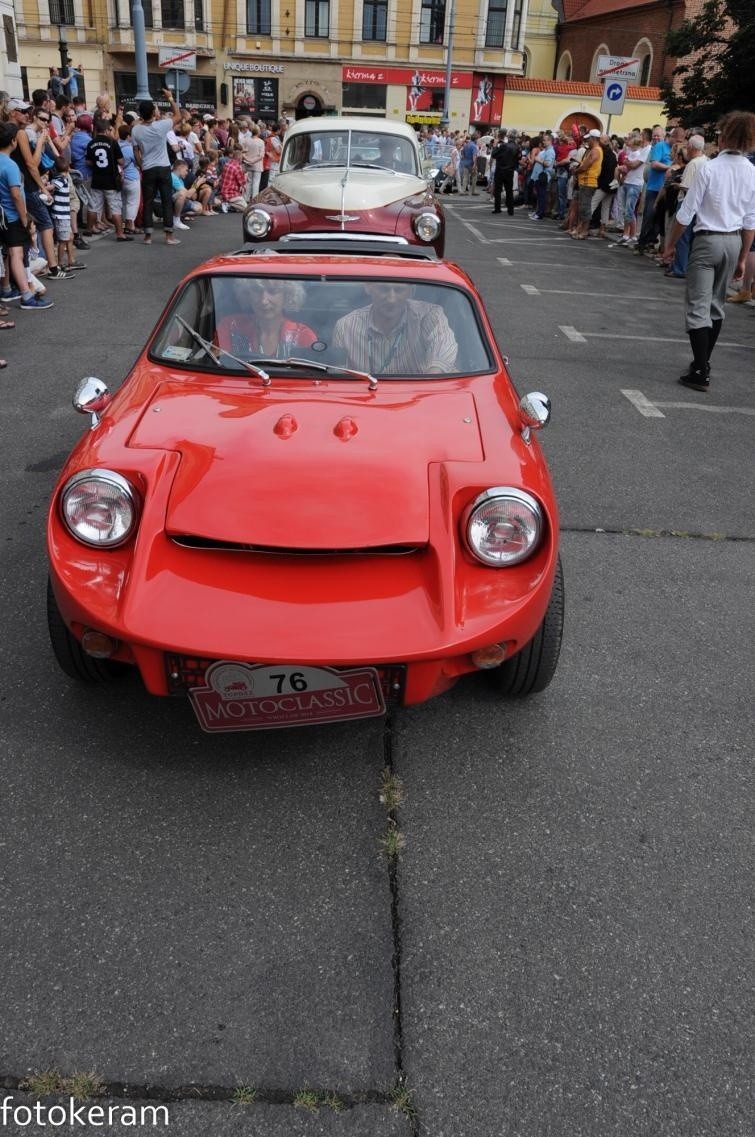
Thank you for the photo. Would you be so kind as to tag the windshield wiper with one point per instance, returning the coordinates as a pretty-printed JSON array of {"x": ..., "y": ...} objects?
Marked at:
[
  {"x": 213, "y": 351},
  {"x": 316, "y": 365}
]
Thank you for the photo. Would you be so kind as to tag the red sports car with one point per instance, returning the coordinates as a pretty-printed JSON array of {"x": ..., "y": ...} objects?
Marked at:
[
  {"x": 316, "y": 493},
  {"x": 353, "y": 176}
]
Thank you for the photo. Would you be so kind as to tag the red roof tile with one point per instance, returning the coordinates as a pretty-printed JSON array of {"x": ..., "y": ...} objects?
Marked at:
[
  {"x": 571, "y": 7},
  {"x": 562, "y": 87}
]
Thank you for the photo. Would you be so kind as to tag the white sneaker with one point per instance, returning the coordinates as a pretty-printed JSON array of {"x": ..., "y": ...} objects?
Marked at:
[{"x": 178, "y": 224}]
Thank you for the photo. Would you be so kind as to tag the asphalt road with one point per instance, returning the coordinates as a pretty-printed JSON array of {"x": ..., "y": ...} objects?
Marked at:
[{"x": 563, "y": 950}]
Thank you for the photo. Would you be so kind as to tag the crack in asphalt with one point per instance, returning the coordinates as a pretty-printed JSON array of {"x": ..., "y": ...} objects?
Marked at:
[{"x": 678, "y": 533}]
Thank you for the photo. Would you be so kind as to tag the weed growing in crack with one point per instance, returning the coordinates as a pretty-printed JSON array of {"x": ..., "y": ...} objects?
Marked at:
[
  {"x": 83, "y": 1086},
  {"x": 391, "y": 791},
  {"x": 334, "y": 1102},
  {"x": 393, "y": 842},
  {"x": 307, "y": 1099},
  {"x": 244, "y": 1095},
  {"x": 401, "y": 1099},
  {"x": 41, "y": 1083}
]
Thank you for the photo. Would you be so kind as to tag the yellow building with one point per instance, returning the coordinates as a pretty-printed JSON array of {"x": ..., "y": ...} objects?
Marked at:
[
  {"x": 299, "y": 57},
  {"x": 540, "y": 41}
]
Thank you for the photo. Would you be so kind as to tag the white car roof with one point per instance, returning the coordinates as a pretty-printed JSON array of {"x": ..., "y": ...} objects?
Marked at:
[{"x": 338, "y": 122}]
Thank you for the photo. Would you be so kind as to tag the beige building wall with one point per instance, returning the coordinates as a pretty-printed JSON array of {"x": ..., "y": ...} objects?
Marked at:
[{"x": 540, "y": 40}]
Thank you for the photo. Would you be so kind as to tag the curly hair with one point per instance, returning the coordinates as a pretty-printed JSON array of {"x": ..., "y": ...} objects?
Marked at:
[
  {"x": 293, "y": 291},
  {"x": 737, "y": 131}
]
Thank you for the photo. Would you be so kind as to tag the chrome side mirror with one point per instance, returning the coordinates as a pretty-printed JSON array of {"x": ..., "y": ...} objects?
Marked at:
[
  {"x": 92, "y": 397},
  {"x": 535, "y": 409}
]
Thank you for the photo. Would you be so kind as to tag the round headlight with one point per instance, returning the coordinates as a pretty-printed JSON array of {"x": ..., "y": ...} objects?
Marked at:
[
  {"x": 99, "y": 508},
  {"x": 258, "y": 223},
  {"x": 503, "y": 526},
  {"x": 427, "y": 226}
]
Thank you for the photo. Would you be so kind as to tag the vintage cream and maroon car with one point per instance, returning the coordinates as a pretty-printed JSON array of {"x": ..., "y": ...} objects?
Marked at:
[
  {"x": 356, "y": 176},
  {"x": 315, "y": 494}
]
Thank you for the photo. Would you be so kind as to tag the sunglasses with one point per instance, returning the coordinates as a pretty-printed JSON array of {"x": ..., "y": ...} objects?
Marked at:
[{"x": 42, "y": 118}]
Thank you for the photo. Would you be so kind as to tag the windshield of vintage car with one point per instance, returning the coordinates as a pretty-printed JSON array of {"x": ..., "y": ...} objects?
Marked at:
[
  {"x": 388, "y": 328},
  {"x": 358, "y": 148}
]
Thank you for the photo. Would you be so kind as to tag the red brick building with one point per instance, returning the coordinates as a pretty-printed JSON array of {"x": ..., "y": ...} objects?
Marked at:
[{"x": 636, "y": 28}]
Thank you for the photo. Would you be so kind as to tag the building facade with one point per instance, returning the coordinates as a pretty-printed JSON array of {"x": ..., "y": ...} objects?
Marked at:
[
  {"x": 10, "y": 64},
  {"x": 298, "y": 57},
  {"x": 634, "y": 29}
]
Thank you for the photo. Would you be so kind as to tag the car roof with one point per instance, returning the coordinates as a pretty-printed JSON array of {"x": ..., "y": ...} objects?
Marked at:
[
  {"x": 341, "y": 122},
  {"x": 346, "y": 264}
]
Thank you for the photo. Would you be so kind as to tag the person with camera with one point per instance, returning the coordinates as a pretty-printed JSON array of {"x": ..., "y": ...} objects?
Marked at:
[{"x": 149, "y": 137}]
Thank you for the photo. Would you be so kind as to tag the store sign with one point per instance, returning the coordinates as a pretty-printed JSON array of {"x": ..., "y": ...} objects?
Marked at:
[
  {"x": 486, "y": 104},
  {"x": 405, "y": 77},
  {"x": 255, "y": 68}
]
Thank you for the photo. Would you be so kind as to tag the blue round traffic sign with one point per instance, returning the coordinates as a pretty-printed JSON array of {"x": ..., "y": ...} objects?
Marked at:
[{"x": 614, "y": 91}]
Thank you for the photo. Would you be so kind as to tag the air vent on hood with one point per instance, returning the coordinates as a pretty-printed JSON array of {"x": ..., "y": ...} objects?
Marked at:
[{"x": 189, "y": 542}]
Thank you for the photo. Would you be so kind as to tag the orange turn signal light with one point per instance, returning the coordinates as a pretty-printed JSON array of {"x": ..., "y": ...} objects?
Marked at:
[
  {"x": 98, "y": 645},
  {"x": 487, "y": 657}
]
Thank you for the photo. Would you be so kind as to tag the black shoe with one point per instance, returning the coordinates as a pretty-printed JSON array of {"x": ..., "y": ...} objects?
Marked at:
[
  {"x": 495, "y": 211},
  {"x": 80, "y": 243},
  {"x": 696, "y": 379}
]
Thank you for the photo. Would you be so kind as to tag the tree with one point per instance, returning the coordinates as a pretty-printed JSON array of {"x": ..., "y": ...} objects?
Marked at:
[{"x": 716, "y": 50}]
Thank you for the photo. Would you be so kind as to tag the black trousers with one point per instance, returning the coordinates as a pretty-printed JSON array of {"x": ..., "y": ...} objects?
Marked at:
[
  {"x": 157, "y": 178},
  {"x": 504, "y": 181}
]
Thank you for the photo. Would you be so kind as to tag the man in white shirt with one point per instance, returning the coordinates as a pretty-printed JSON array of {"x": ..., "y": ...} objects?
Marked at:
[{"x": 721, "y": 202}]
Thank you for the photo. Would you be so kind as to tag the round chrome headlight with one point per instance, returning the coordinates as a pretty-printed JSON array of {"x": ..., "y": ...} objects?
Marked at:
[
  {"x": 427, "y": 226},
  {"x": 503, "y": 526},
  {"x": 99, "y": 508},
  {"x": 258, "y": 223}
]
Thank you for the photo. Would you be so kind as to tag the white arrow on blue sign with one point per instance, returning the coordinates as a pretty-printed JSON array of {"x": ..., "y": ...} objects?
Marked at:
[{"x": 614, "y": 93}]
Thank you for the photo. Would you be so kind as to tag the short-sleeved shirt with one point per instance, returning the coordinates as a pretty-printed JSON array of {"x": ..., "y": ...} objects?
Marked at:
[
  {"x": 102, "y": 155},
  {"x": 130, "y": 168},
  {"x": 151, "y": 138},
  {"x": 80, "y": 140},
  {"x": 423, "y": 341},
  {"x": 10, "y": 175},
  {"x": 659, "y": 152}
]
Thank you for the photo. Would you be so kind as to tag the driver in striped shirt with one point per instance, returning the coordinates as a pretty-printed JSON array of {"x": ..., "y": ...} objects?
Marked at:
[{"x": 396, "y": 335}]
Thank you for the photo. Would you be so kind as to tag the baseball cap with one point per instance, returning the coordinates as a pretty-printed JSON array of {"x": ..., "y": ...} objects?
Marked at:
[
  {"x": 18, "y": 105},
  {"x": 208, "y": 118},
  {"x": 593, "y": 134}
]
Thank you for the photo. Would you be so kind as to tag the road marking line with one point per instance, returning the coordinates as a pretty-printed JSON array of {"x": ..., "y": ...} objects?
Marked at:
[
  {"x": 608, "y": 295},
  {"x": 572, "y": 333},
  {"x": 530, "y": 289},
  {"x": 710, "y": 408},
  {"x": 651, "y": 410},
  {"x": 473, "y": 229},
  {"x": 553, "y": 264},
  {"x": 643, "y": 405},
  {"x": 655, "y": 339}
]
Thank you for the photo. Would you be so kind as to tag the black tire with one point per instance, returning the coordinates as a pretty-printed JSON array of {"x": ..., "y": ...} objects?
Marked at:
[
  {"x": 71, "y": 657},
  {"x": 532, "y": 668}
]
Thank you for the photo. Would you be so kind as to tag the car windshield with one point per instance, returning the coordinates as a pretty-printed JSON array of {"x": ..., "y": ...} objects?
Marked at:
[
  {"x": 343, "y": 147},
  {"x": 385, "y": 328}
]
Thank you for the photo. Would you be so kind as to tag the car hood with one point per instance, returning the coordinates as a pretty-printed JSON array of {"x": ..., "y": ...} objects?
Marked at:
[
  {"x": 333, "y": 470},
  {"x": 365, "y": 189}
]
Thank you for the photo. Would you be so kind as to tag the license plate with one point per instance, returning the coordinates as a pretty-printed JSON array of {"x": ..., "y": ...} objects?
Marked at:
[{"x": 244, "y": 696}]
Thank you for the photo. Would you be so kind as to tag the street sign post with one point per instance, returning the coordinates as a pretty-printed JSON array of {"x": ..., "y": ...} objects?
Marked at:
[
  {"x": 177, "y": 59},
  {"x": 614, "y": 93},
  {"x": 617, "y": 67}
]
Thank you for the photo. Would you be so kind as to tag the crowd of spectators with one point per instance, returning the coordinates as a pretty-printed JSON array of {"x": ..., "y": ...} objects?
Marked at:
[
  {"x": 627, "y": 189},
  {"x": 71, "y": 172}
]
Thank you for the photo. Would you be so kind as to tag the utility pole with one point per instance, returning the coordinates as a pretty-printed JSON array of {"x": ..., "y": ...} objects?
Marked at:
[
  {"x": 445, "y": 118},
  {"x": 140, "y": 51}
]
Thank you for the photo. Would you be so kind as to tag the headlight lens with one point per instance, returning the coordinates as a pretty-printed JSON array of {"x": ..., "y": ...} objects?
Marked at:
[
  {"x": 503, "y": 526},
  {"x": 100, "y": 508},
  {"x": 258, "y": 223},
  {"x": 427, "y": 226}
]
